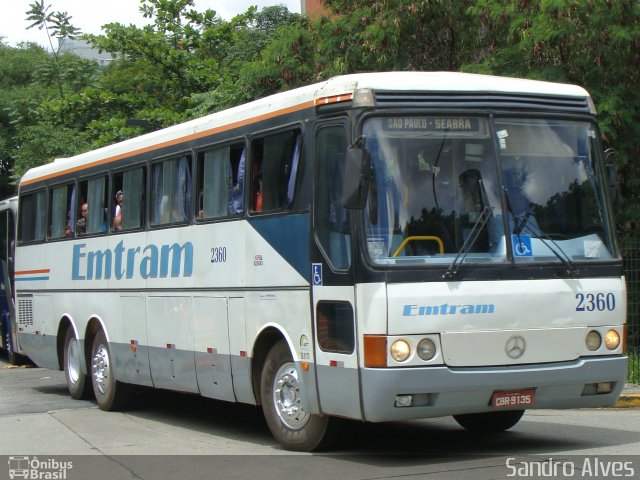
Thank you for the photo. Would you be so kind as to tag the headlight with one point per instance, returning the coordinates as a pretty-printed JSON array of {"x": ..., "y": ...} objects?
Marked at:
[
  {"x": 594, "y": 340},
  {"x": 400, "y": 350},
  {"x": 426, "y": 349},
  {"x": 612, "y": 340}
]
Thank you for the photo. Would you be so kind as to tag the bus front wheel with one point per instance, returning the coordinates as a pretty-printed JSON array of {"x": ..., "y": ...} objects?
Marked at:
[
  {"x": 282, "y": 394},
  {"x": 489, "y": 422},
  {"x": 111, "y": 395},
  {"x": 78, "y": 383}
]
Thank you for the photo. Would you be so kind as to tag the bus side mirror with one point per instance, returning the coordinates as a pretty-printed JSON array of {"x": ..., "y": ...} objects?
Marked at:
[{"x": 356, "y": 178}]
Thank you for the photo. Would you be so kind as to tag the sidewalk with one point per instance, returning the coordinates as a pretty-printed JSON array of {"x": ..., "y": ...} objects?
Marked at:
[{"x": 630, "y": 397}]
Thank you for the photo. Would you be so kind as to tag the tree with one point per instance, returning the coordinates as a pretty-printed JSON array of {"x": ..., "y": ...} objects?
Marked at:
[
  {"x": 56, "y": 25},
  {"x": 19, "y": 101},
  {"x": 173, "y": 44},
  {"x": 367, "y": 35},
  {"x": 593, "y": 43},
  {"x": 42, "y": 143}
]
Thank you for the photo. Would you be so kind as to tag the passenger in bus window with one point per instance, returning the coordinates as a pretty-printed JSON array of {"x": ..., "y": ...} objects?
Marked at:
[
  {"x": 68, "y": 230},
  {"x": 81, "y": 224},
  {"x": 117, "y": 219},
  {"x": 236, "y": 193}
]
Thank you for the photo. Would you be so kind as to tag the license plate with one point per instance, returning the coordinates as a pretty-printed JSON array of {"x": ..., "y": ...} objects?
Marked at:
[{"x": 512, "y": 399}]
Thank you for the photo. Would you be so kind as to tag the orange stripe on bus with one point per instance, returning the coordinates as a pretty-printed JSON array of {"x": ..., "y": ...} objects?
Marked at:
[
  {"x": 27, "y": 272},
  {"x": 169, "y": 143}
]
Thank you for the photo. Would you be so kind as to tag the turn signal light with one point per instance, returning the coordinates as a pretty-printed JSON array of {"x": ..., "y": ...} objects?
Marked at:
[{"x": 375, "y": 351}]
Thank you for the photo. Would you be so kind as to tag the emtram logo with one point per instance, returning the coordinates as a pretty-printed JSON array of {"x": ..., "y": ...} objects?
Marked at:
[
  {"x": 150, "y": 261},
  {"x": 446, "y": 309}
]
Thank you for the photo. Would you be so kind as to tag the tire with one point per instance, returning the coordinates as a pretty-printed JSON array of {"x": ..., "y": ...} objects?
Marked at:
[
  {"x": 490, "y": 422},
  {"x": 110, "y": 394},
  {"x": 294, "y": 428},
  {"x": 78, "y": 383}
]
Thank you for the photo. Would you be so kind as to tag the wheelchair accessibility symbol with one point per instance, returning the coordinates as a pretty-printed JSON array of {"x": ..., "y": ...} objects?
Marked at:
[
  {"x": 316, "y": 270},
  {"x": 521, "y": 245}
]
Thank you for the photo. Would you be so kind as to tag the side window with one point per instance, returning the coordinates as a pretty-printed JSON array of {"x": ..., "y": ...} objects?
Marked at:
[
  {"x": 274, "y": 166},
  {"x": 171, "y": 191},
  {"x": 128, "y": 195},
  {"x": 32, "y": 217},
  {"x": 220, "y": 182},
  {"x": 335, "y": 326},
  {"x": 93, "y": 207},
  {"x": 61, "y": 199},
  {"x": 331, "y": 218}
]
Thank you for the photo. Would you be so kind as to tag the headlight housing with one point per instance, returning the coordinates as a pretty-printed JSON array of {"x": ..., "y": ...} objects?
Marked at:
[
  {"x": 612, "y": 340},
  {"x": 593, "y": 341},
  {"x": 426, "y": 349},
  {"x": 400, "y": 350}
]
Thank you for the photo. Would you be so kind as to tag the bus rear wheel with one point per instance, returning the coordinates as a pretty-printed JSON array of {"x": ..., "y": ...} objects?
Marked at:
[
  {"x": 78, "y": 383},
  {"x": 489, "y": 422},
  {"x": 111, "y": 394},
  {"x": 282, "y": 394}
]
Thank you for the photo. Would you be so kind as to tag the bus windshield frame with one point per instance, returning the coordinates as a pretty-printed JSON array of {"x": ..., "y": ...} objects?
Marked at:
[{"x": 484, "y": 190}]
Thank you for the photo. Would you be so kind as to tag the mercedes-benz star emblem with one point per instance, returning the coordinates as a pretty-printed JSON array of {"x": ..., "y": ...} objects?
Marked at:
[{"x": 515, "y": 347}]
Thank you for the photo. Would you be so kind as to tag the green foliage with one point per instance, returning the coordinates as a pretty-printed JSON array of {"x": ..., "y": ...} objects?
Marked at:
[
  {"x": 398, "y": 35},
  {"x": 56, "y": 24},
  {"x": 593, "y": 43},
  {"x": 44, "y": 142},
  {"x": 186, "y": 63},
  {"x": 366, "y": 35},
  {"x": 171, "y": 45}
]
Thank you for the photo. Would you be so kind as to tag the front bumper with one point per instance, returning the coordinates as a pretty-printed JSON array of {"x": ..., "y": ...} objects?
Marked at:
[{"x": 443, "y": 391}]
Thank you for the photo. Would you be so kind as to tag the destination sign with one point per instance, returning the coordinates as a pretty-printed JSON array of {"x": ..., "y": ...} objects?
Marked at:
[{"x": 432, "y": 124}]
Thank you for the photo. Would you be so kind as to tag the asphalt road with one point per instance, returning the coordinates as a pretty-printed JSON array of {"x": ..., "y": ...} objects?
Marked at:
[{"x": 168, "y": 435}]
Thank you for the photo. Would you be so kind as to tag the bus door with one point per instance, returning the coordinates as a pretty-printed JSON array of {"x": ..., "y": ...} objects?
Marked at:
[
  {"x": 7, "y": 306},
  {"x": 332, "y": 282}
]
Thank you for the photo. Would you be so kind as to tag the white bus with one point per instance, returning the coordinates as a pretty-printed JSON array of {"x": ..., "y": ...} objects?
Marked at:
[
  {"x": 377, "y": 247},
  {"x": 8, "y": 327}
]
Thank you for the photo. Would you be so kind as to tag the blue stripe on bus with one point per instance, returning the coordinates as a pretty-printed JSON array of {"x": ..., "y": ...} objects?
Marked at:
[
  {"x": 289, "y": 236},
  {"x": 30, "y": 279}
]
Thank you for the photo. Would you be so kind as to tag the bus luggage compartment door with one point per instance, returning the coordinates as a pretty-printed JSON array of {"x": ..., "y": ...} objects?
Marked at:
[{"x": 213, "y": 357}]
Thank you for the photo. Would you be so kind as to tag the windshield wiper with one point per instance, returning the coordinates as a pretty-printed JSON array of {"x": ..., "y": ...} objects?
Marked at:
[
  {"x": 545, "y": 239},
  {"x": 482, "y": 220}
]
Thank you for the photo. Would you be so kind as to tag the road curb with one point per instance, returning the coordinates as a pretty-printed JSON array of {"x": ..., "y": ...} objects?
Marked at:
[{"x": 628, "y": 400}]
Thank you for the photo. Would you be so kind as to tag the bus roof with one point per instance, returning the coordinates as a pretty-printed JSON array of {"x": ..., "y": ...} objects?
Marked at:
[
  {"x": 333, "y": 90},
  {"x": 11, "y": 202}
]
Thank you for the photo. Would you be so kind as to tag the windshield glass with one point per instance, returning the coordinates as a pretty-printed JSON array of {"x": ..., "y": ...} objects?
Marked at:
[
  {"x": 553, "y": 191},
  {"x": 435, "y": 195}
]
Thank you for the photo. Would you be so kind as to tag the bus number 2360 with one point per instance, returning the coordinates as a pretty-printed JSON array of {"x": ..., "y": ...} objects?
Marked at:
[
  {"x": 218, "y": 254},
  {"x": 599, "y": 302}
]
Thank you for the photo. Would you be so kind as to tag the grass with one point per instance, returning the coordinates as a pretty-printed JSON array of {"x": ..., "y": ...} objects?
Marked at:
[{"x": 633, "y": 374}]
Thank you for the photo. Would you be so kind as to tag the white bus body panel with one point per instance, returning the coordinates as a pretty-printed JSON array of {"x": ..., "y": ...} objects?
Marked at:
[{"x": 476, "y": 319}]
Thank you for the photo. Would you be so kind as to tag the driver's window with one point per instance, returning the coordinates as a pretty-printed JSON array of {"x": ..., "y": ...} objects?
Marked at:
[{"x": 331, "y": 218}]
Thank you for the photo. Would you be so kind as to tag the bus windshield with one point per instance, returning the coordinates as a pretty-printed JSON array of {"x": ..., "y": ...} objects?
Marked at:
[{"x": 435, "y": 191}]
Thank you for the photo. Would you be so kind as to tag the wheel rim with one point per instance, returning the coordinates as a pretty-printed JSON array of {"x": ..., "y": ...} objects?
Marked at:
[
  {"x": 100, "y": 367},
  {"x": 73, "y": 360},
  {"x": 287, "y": 399}
]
